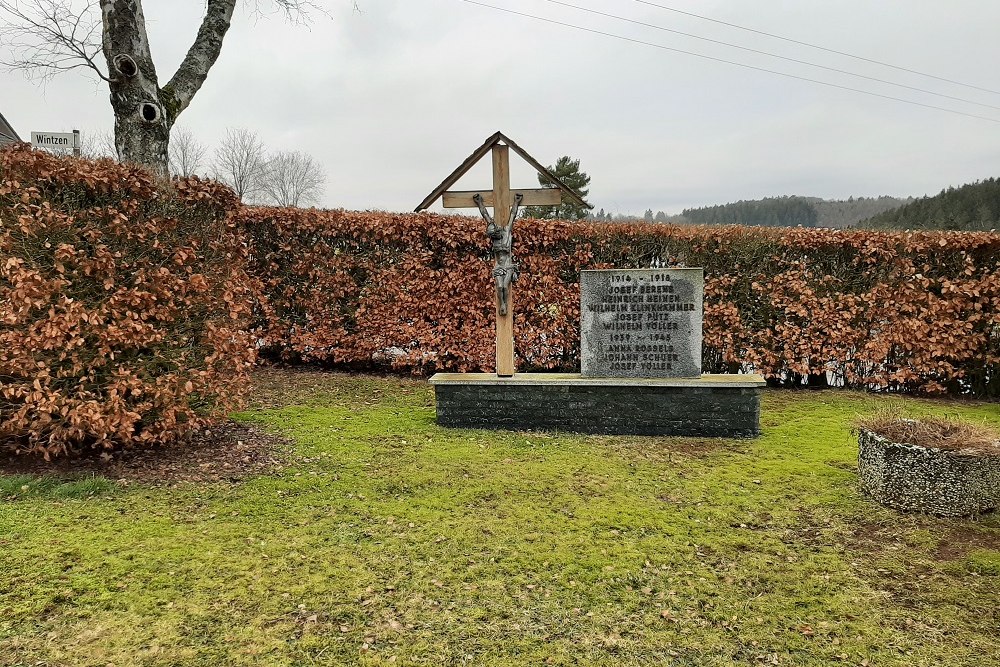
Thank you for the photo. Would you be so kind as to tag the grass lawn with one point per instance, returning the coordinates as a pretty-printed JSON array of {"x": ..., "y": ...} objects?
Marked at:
[{"x": 388, "y": 540}]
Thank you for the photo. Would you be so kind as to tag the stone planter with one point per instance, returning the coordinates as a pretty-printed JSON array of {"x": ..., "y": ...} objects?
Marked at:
[{"x": 926, "y": 479}]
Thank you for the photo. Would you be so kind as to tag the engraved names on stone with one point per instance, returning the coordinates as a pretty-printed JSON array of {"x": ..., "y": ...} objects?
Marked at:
[{"x": 637, "y": 323}]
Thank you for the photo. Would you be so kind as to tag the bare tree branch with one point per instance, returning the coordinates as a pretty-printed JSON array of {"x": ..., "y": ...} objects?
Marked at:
[
  {"x": 193, "y": 70},
  {"x": 45, "y": 37},
  {"x": 98, "y": 144},
  {"x": 292, "y": 178},
  {"x": 240, "y": 162},
  {"x": 295, "y": 11},
  {"x": 207, "y": 46},
  {"x": 187, "y": 154}
]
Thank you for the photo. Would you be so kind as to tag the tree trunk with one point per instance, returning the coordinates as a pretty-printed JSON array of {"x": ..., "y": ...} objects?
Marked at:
[
  {"x": 142, "y": 129},
  {"x": 144, "y": 112},
  {"x": 140, "y": 141}
]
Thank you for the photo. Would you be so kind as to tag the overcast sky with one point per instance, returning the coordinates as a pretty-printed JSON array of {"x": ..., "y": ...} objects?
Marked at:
[{"x": 393, "y": 97}]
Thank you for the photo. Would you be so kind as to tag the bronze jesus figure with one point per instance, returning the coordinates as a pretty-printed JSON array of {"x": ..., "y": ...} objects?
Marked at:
[{"x": 506, "y": 270}]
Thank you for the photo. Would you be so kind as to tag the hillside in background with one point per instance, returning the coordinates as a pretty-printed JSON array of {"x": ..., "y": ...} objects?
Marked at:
[
  {"x": 848, "y": 213},
  {"x": 793, "y": 211},
  {"x": 788, "y": 211},
  {"x": 771, "y": 212},
  {"x": 975, "y": 207}
]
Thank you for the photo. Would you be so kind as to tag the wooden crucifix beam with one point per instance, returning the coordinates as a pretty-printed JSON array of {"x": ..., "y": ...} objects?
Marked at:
[
  {"x": 535, "y": 197},
  {"x": 503, "y": 201}
]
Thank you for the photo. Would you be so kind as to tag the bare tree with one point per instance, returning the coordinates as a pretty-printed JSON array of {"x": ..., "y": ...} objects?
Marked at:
[
  {"x": 45, "y": 37},
  {"x": 292, "y": 178},
  {"x": 240, "y": 162},
  {"x": 187, "y": 154},
  {"x": 98, "y": 144}
]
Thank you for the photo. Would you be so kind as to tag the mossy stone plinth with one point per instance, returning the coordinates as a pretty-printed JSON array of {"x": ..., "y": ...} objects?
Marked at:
[
  {"x": 717, "y": 406},
  {"x": 927, "y": 479}
]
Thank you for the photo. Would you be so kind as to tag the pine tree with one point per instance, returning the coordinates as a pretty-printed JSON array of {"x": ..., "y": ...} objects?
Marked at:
[{"x": 568, "y": 171}]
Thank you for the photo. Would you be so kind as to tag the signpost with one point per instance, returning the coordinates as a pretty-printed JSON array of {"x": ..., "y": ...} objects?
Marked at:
[
  {"x": 57, "y": 140},
  {"x": 505, "y": 203}
]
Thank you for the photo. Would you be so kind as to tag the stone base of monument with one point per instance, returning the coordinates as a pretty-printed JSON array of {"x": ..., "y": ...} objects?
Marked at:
[
  {"x": 935, "y": 481},
  {"x": 725, "y": 406}
]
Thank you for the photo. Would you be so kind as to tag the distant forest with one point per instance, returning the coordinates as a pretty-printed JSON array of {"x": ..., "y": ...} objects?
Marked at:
[
  {"x": 788, "y": 211},
  {"x": 771, "y": 212},
  {"x": 975, "y": 206}
]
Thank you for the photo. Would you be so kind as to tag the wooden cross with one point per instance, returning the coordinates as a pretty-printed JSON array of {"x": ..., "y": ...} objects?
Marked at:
[{"x": 504, "y": 201}]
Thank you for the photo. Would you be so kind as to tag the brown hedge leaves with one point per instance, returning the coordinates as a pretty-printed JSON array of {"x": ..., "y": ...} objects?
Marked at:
[
  {"x": 123, "y": 305},
  {"x": 889, "y": 311}
]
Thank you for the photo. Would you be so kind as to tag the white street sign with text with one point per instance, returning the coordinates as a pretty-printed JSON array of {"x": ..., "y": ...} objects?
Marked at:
[{"x": 54, "y": 140}]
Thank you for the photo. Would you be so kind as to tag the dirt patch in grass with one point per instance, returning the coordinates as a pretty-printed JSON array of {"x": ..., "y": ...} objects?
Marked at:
[
  {"x": 229, "y": 452},
  {"x": 657, "y": 448},
  {"x": 278, "y": 387},
  {"x": 870, "y": 537},
  {"x": 959, "y": 541},
  {"x": 874, "y": 538}
]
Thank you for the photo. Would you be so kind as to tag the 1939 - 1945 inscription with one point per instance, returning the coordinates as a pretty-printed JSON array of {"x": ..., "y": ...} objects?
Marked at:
[{"x": 638, "y": 323}]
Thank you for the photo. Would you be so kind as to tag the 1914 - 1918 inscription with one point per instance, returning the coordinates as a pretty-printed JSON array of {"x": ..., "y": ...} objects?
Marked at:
[{"x": 637, "y": 323}]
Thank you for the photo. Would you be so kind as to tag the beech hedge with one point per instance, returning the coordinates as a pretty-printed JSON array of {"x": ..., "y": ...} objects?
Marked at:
[
  {"x": 909, "y": 312},
  {"x": 124, "y": 305},
  {"x": 131, "y": 310}
]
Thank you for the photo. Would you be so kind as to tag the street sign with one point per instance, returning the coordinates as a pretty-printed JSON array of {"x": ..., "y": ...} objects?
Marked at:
[{"x": 64, "y": 140}]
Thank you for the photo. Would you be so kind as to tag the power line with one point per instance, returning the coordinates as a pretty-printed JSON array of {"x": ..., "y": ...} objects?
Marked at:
[
  {"x": 727, "y": 62},
  {"x": 768, "y": 53},
  {"x": 816, "y": 46}
]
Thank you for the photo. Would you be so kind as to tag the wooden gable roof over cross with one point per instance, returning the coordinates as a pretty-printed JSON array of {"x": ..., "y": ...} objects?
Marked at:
[
  {"x": 462, "y": 199},
  {"x": 500, "y": 226}
]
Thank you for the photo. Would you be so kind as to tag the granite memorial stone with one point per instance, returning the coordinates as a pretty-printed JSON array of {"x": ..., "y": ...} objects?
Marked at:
[
  {"x": 641, "y": 323},
  {"x": 641, "y": 361}
]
